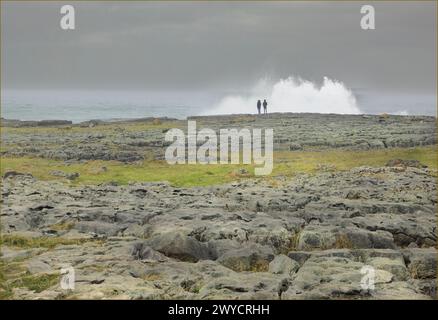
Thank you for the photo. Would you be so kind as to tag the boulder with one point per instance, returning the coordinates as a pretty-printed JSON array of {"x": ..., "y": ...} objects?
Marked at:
[
  {"x": 282, "y": 264},
  {"x": 299, "y": 256},
  {"x": 251, "y": 257},
  {"x": 396, "y": 267},
  {"x": 182, "y": 247},
  {"x": 38, "y": 266},
  {"x": 12, "y": 174},
  {"x": 67, "y": 175},
  {"x": 141, "y": 251},
  {"x": 422, "y": 263},
  {"x": 98, "y": 228}
]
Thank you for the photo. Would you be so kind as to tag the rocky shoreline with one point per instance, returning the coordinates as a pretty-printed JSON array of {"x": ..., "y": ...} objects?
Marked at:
[{"x": 306, "y": 237}]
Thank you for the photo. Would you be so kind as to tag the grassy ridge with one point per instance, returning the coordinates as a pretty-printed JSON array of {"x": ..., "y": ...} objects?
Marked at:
[{"x": 285, "y": 164}]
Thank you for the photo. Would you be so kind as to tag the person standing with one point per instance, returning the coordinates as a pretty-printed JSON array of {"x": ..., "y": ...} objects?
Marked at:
[
  {"x": 259, "y": 105},
  {"x": 265, "y": 107}
]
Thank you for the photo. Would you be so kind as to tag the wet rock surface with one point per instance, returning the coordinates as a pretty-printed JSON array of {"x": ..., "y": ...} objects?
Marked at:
[{"x": 306, "y": 238}]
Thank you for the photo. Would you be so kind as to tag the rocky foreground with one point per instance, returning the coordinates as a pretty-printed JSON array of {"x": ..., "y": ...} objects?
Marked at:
[
  {"x": 301, "y": 239},
  {"x": 306, "y": 237}
]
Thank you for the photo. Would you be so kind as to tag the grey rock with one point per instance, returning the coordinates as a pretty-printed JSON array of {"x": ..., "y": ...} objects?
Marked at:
[
  {"x": 282, "y": 264},
  {"x": 143, "y": 252},
  {"x": 422, "y": 263},
  {"x": 181, "y": 247},
  {"x": 98, "y": 227},
  {"x": 38, "y": 266},
  {"x": 156, "y": 241},
  {"x": 130, "y": 146},
  {"x": 11, "y": 173},
  {"x": 250, "y": 257},
  {"x": 396, "y": 267},
  {"x": 67, "y": 175},
  {"x": 299, "y": 256}
]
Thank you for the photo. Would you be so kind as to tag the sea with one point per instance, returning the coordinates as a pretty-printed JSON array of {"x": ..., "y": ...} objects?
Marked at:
[{"x": 83, "y": 105}]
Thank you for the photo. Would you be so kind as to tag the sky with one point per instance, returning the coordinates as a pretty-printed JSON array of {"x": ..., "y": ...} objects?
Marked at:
[{"x": 218, "y": 47}]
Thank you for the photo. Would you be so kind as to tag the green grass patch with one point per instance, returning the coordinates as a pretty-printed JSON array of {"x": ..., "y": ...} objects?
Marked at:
[
  {"x": 314, "y": 161},
  {"x": 5, "y": 289},
  {"x": 40, "y": 242},
  {"x": 10, "y": 271},
  {"x": 37, "y": 283},
  {"x": 285, "y": 164},
  {"x": 121, "y": 173}
]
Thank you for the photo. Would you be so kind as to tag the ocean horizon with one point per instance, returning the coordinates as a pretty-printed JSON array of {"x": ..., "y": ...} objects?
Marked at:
[{"x": 81, "y": 105}]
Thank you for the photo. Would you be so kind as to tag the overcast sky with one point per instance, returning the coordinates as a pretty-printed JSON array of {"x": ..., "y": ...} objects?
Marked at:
[{"x": 217, "y": 45}]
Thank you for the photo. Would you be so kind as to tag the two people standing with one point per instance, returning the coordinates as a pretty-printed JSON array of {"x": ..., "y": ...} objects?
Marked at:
[{"x": 265, "y": 106}]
